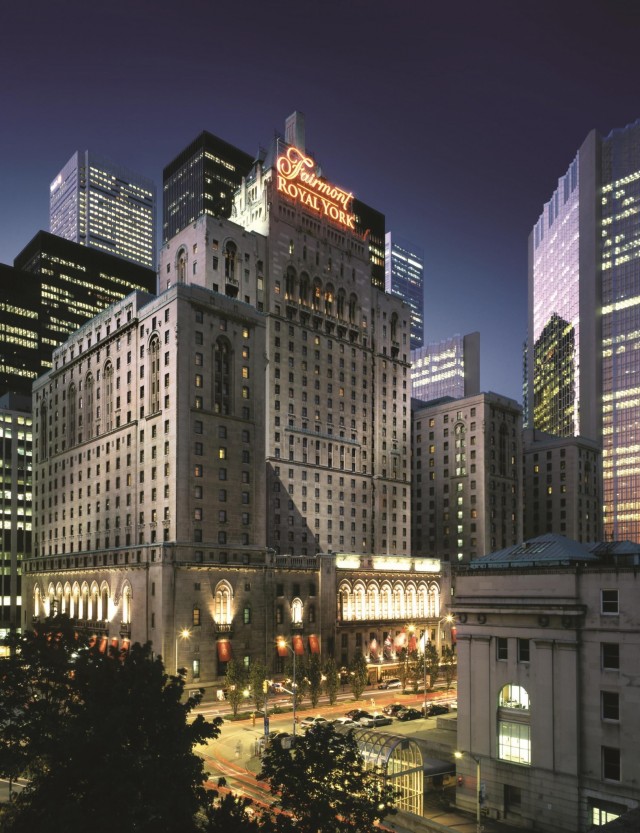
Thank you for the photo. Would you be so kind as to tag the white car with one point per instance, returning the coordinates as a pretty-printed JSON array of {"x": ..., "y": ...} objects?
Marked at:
[
  {"x": 344, "y": 721},
  {"x": 392, "y": 682},
  {"x": 312, "y": 721}
]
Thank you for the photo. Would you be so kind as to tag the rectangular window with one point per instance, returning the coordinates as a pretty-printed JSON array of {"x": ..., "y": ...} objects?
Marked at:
[
  {"x": 610, "y": 655},
  {"x": 523, "y": 650},
  {"x": 502, "y": 650},
  {"x": 196, "y": 669},
  {"x": 610, "y": 705},
  {"x": 609, "y": 602},
  {"x": 610, "y": 764},
  {"x": 514, "y": 742}
]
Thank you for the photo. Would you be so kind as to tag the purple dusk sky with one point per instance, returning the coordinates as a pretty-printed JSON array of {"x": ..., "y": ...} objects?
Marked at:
[{"x": 454, "y": 119}]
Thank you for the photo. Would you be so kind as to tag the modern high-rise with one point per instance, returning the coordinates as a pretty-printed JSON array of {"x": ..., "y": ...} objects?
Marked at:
[
  {"x": 584, "y": 316},
  {"x": 202, "y": 179},
  {"x": 450, "y": 367},
  {"x": 227, "y": 447},
  {"x": 98, "y": 203},
  {"x": 466, "y": 476},
  {"x": 404, "y": 276}
]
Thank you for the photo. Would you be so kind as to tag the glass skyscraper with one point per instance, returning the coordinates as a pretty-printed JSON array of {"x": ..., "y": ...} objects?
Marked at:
[
  {"x": 403, "y": 276},
  {"x": 583, "y": 361},
  {"x": 99, "y": 204},
  {"x": 450, "y": 367}
]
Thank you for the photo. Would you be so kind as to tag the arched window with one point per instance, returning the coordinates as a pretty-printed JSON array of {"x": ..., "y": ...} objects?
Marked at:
[
  {"x": 108, "y": 396},
  {"x": 345, "y": 603},
  {"x": 89, "y": 401},
  {"x": 328, "y": 299},
  {"x": 296, "y": 612},
  {"x": 230, "y": 257},
  {"x": 222, "y": 604},
  {"x": 373, "y": 602},
  {"x": 290, "y": 284},
  {"x": 37, "y": 601},
  {"x": 71, "y": 416},
  {"x": 104, "y": 604},
  {"x": 304, "y": 289},
  {"x": 340, "y": 303},
  {"x": 222, "y": 398},
  {"x": 398, "y": 602},
  {"x": 387, "y": 607},
  {"x": 154, "y": 374},
  {"x": 514, "y": 728},
  {"x": 126, "y": 604},
  {"x": 412, "y": 602},
  {"x": 181, "y": 265},
  {"x": 353, "y": 303},
  {"x": 317, "y": 294},
  {"x": 434, "y": 600},
  {"x": 93, "y": 602},
  {"x": 423, "y": 601},
  {"x": 84, "y": 601},
  {"x": 394, "y": 327},
  {"x": 359, "y": 599}
]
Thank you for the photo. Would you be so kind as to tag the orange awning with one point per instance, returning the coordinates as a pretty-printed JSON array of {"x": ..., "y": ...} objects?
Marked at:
[
  {"x": 298, "y": 644},
  {"x": 224, "y": 650},
  {"x": 282, "y": 649},
  {"x": 103, "y": 644},
  {"x": 314, "y": 644},
  {"x": 114, "y": 642},
  {"x": 454, "y": 635},
  {"x": 125, "y": 644}
]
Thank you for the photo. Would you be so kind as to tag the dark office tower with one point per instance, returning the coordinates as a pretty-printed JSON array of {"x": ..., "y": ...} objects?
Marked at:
[
  {"x": 100, "y": 204},
  {"x": 371, "y": 225},
  {"x": 403, "y": 275},
  {"x": 201, "y": 180},
  {"x": 21, "y": 354},
  {"x": 69, "y": 284}
]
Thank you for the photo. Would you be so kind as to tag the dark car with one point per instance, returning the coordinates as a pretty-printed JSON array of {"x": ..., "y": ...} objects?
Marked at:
[
  {"x": 409, "y": 714},
  {"x": 433, "y": 709},
  {"x": 356, "y": 714},
  {"x": 393, "y": 708}
]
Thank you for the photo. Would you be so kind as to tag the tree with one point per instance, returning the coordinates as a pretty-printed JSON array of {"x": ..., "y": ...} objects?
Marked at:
[
  {"x": 86, "y": 717},
  {"x": 302, "y": 681},
  {"x": 449, "y": 663},
  {"x": 236, "y": 681},
  {"x": 432, "y": 661},
  {"x": 314, "y": 675},
  {"x": 321, "y": 784},
  {"x": 332, "y": 680},
  {"x": 358, "y": 675},
  {"x": 257, "y": 680}
]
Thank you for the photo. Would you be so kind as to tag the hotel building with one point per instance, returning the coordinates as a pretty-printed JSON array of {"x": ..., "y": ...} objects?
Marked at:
[
  {"x": 548, "y": 692},
  {"x": 105, "y": 206},
  {"x": 584, "y": 303},
  {"x": 467, "y": 476},
  {"x": 450, "y": 367},
  {"x": 404, "y": 276},
  {"x": 212, "y": 449}
]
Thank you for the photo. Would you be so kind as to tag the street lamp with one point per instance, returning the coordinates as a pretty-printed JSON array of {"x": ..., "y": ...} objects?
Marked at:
[
  {"x": 283, "y": 644},
  {"x": 185, "y": 633},
  {"x": 459, "y": 755},
  {"x": 449, "y": 619}
]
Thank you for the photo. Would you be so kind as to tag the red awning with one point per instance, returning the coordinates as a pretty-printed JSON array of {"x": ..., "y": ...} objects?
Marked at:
[
  {"x": 373, "y": 648},
  {"x": 125, "y": 644},
  {"x": 454, "y": 635},
  {"x": 103, "y": 644},
  {"x": 224, "y": 650},
  {"x": 314, "y": 644},
  {"x": 282, "y": 648},
  {"x": 114, "y": 642},
  {"x": 298, "y": 644}
]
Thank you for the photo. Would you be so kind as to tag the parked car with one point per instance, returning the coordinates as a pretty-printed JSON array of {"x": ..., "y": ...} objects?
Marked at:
[
  {"x": 312, "y": 721},
  {"x": 356, "y": 714},
  {"x": 373, "y": 720},
  {"x": 391, "y": 682},
  {"x": 393, "y": 708},
  {"x": 433, "y": 709},
  {"x": 344, "y": 721},
  {"x": 409, "y": 714}
]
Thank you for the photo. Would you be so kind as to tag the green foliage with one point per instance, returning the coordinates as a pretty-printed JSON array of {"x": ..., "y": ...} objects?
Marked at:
[
  {"x": 433, "y": 663},
  {"x": 322, "y": 784},
  {"x": 314, "y": 675},
  {"x": 89, "y": 722},
  {"x": 257, "y": 677},
  {"x": 231, "y": 812},
  {"x": 358, "y": 676},
  {"x": 332, "y": 680},
  {"x": 236, "y": 680},
  {"x": 449, "y": 663}
]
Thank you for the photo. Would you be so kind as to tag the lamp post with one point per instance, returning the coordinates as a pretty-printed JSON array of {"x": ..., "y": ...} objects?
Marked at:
[
  {"x": 449, "y": 618},
  {"x": 185, "y": 633},
  {"x": 478, "y": 788},
  {"x": 294, "y": 693}
]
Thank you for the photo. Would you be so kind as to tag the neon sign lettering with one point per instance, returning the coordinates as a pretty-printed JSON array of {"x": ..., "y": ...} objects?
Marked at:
[{"x": 297, "y": 180}]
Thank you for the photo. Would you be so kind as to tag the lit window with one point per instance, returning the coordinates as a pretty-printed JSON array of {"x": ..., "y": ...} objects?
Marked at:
[{"x": 514, "y": 742}]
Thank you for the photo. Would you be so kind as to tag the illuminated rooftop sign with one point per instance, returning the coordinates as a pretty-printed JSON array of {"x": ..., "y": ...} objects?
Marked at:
[{"x": 296, "y": 179}]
